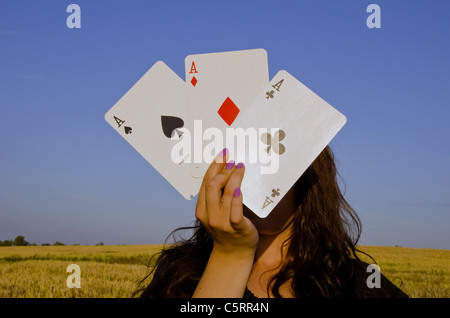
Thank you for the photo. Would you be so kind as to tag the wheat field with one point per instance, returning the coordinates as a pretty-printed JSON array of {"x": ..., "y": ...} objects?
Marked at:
[{"x": 115, "y": 271}]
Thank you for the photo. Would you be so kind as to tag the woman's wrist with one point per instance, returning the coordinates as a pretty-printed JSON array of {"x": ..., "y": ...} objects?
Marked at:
[
  {"x": 226, "y": 274},
  {"x": 240, "y": 255}
]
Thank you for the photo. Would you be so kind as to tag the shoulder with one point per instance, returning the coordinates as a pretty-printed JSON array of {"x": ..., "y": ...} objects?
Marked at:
[{"x": 369, "y": 282}]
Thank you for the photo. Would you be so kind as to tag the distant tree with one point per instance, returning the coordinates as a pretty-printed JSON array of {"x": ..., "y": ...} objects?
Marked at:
[
  {"x": 58, "y": 244},
  {"x": 101, "y": 243},
  {"x": 20, "y": 241},
  {"x": 45, "y": 244},
  {"x": 6, "y": 243}
]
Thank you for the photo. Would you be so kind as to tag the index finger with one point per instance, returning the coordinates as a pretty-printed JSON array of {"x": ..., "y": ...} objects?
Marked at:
[{"x": 214, "y": 168}]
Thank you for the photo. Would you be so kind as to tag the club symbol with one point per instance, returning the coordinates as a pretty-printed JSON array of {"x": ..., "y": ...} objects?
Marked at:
[
  {"x": 270, "y": 94},
  {"x": 275, "y": 192},
  {"x": 274, "y": 143},
  {"x": 128, "y": 130}
]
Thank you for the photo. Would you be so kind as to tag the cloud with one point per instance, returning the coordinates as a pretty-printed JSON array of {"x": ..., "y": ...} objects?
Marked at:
[
  {"x": 7, "y": 32},
  {"x": 33, "y": 76}
]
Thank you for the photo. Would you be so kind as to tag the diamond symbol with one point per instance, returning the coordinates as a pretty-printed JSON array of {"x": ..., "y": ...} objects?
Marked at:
[
  {"x": 193, "y": 81},
  {"x": 228, "y": 111}
]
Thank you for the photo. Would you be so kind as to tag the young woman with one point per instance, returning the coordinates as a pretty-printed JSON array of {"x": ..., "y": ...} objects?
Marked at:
[{"x": 305, "y": 248}]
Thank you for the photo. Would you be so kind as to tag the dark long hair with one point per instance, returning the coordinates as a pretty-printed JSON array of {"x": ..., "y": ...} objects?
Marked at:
[{"x": 321, "y": 252}]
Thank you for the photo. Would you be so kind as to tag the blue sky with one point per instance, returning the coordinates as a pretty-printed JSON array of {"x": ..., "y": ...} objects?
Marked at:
[{"x": 66, "y": 175}]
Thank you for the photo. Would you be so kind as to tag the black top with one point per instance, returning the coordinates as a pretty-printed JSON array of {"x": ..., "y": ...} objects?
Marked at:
[{"x": 360, "y": 288}]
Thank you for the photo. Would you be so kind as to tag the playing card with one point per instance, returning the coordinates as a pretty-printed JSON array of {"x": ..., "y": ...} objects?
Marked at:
[
  {"x": 291, "y": 125},
  {"x": 151, "y": 117},
  {"x": 220, "y": 86}
]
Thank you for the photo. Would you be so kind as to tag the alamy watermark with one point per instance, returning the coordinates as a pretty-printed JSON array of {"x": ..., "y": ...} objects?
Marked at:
[
  {"x": 250, "y": 145},
  {"x": 374, "y": 19},
  {"x": 74, "y": 279},
  {"x": 374, "y": 279},
  {"x": 73, "y": 21}
]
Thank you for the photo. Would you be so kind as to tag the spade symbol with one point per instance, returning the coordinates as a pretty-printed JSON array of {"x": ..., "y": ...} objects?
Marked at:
[
  {"x": 170, "y": 125},
  {"x": 128, "y": 130}
]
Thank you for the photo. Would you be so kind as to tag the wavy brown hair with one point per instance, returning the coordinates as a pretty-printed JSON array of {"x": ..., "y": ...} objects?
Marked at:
[{"x": 321, "y": 255}]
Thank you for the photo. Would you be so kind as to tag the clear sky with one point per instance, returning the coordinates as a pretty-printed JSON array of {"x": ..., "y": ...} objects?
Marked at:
[{"x": 66, "y": 175}]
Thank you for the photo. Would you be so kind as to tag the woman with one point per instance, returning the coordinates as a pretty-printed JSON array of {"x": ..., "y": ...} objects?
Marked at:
[{"x": 305, "y": 248}]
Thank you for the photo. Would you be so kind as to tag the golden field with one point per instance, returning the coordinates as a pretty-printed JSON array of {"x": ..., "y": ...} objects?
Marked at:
[{"x": 115, "y": 271}]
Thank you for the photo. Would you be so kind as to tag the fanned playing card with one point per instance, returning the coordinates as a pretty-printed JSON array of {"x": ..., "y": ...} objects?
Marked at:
[
  {"x": 151, "y": 117},
  {"x": 292, "y": 126},
  {"x": 219, "y": 87}
]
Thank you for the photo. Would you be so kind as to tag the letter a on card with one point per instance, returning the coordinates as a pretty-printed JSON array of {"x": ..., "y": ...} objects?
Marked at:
[{"x": 193, "y": 68}]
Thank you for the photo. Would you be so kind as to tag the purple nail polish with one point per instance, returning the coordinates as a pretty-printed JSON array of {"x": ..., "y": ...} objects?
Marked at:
[
  {"x": 239, "y": 165},
  {"x": 229, "y": 165},
  {"x": 221, "y": 155},
  {"x": 224, "y": 151},
  {"x": 237, "y": 192}
]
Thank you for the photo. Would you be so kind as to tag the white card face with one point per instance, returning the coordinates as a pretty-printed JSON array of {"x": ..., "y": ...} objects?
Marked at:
[
  {"x": 293, "y": 125},
  {"x": 151, "y": 117},
  {"x": 220, "y": 86}
]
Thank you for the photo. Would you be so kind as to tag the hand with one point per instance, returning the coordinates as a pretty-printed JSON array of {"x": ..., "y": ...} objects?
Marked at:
[{"x": 220, "y": 210}]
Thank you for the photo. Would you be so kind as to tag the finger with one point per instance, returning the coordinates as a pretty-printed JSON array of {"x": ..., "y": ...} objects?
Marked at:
[
  {"x": 237, "y": 219},
  {"x": 213, "y": 189},
  {"x": 233, "y": 183},
  {"x": 214, "y": 168},
  {"x": 216, "y": 165}
]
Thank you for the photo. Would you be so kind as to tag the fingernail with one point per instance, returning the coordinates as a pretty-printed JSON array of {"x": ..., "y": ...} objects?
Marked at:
[
  {"x": 224, "y": 151},
  {"x": 239, "y": 165},
  {"x": 230, "y": 165},
  {"x": 220, "y": 156},
  {"x": 237, "y": 192}
]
